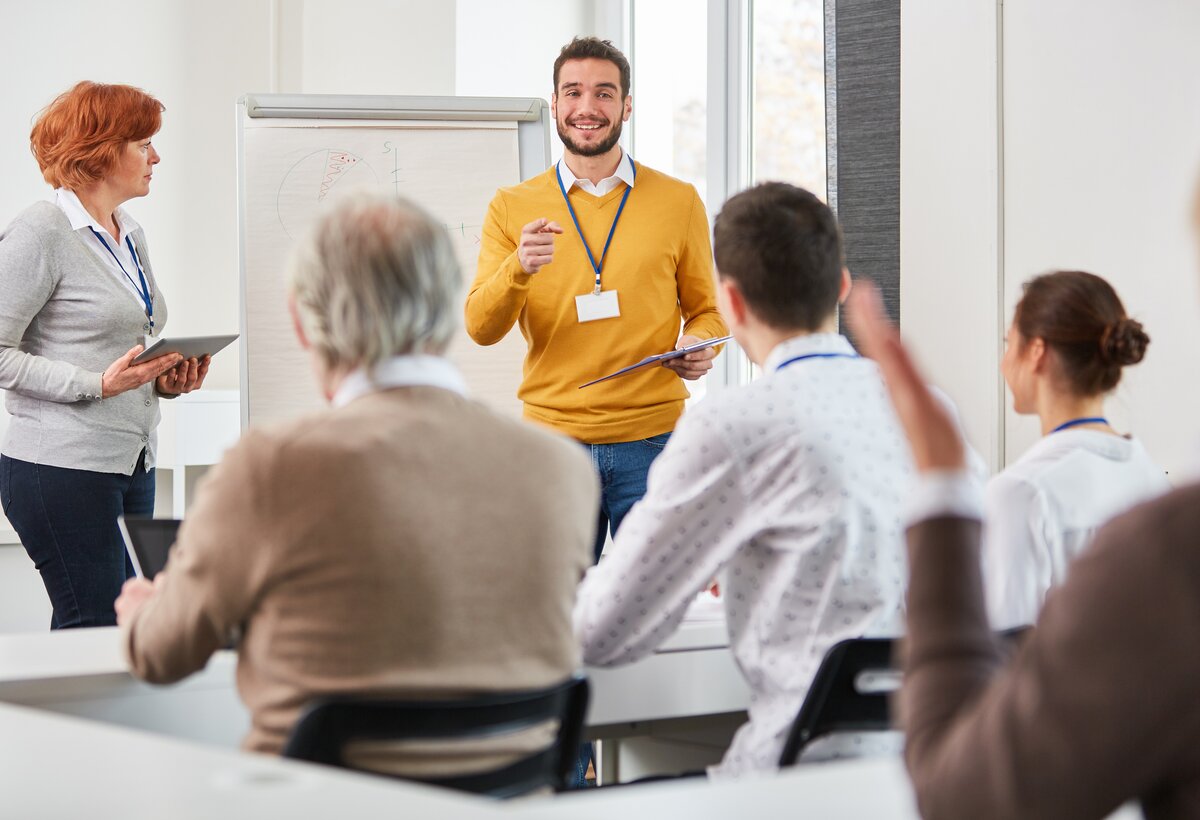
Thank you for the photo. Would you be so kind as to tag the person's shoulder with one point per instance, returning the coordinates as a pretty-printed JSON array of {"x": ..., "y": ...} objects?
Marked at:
[
  {"x": 1013, "y": 492},
  {"x": 532, "y": 188},
  {"x": 1161, "y": 532},
  {"x": 41, "y": 218},
  {"x": 663, "y": 183},
  {"x": 522, "y": 435},
  {"x": 1178, "y": 511}
]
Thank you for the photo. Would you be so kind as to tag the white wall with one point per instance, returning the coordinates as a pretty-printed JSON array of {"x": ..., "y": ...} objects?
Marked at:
[
  {"x": 1054, "y": 135},
  {"x": 1101, "y": 153},
  {"x": 949, "y": 205},
  {"x": 536, "y": 28}
]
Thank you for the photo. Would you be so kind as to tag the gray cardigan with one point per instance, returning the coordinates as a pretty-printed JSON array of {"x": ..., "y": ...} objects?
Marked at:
[{"x": 64, "y": 318}]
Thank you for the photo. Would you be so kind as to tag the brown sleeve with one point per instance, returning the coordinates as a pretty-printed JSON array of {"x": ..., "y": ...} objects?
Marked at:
[
  {"x": 218, "y": 566},
  {"x": 1097, "y": 707}
]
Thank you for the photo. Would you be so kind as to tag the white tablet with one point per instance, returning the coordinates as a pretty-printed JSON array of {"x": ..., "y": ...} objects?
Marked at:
[{"x": 192, "y": 347}]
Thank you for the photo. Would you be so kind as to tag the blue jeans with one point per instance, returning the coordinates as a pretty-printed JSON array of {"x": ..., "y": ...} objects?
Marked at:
[
  {"x": 622, "y": 468},
  {"x": 67, "y": 522}
]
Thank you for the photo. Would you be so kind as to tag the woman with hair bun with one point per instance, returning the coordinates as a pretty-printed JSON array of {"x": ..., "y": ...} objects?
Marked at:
[
  {"x": 1068, "y": 342},
  {"x": 78, "y": 301}
]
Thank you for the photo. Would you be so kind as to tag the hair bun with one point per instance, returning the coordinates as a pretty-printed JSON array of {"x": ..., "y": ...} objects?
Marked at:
[{"x": 1124, "y": 342}]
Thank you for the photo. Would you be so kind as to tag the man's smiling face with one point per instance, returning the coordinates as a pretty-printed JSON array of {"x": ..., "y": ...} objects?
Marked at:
[{"x": 588, "y": 107}]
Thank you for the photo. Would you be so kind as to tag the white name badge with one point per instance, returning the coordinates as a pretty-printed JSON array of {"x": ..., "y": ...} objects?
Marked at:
[{"x": 593, "y": 306}]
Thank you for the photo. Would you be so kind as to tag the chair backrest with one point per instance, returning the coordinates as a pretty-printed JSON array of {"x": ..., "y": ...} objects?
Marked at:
[
  {"x": 852, "y": 690},
  {"x": 327, "y": 725},
  {"x": 849, "y": 693}
]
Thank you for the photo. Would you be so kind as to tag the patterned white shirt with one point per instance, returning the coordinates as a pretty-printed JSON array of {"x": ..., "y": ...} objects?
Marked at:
[
  {"x": 793, "y": 488},
  {"x": 1044, "y": 509}
]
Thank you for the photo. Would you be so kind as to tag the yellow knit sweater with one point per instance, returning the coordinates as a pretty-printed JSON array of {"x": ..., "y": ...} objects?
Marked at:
[{"x": 660, "y": 264}]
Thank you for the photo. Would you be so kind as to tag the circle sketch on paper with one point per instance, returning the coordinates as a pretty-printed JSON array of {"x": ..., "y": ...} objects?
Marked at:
[{"x": 308, "y": 183}]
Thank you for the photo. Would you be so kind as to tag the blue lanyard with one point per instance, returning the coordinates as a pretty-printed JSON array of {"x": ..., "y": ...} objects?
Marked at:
[
  {"x": 144, "y": 290},
  {"x": 596, "y": 265},
  {"x": 1076, "y": 422},
  {"x": 817, "y": 356}
]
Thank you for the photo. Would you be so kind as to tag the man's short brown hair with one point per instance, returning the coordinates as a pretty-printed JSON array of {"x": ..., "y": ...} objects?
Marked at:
[
  {"x": 782, "y": 246},
  {"x": 593, "y": 48}
]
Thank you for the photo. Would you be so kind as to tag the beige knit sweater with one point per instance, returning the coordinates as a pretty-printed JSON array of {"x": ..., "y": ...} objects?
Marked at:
[{"x": 411, "y": 542}]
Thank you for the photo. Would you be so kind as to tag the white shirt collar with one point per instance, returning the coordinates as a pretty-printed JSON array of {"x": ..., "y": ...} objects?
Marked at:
[
  {"x": 808, "y": 344},
  {"x": 68, "y": 201},
  {"x": 624, "y": 173},
  {"x": 401, "y": 371}
]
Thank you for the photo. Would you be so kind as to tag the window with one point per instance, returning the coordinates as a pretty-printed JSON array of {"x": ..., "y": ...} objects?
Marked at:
[
  {"x": 788, "y": 106},
  {"x": 670, "y": 89}
]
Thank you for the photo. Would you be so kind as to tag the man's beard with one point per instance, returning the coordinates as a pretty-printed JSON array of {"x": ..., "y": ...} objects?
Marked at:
[{"x": 602, "y": 147}]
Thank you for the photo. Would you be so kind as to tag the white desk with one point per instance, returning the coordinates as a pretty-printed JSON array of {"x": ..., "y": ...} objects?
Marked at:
[
  {"x": 55, "y": 767},
  {"x": 65, "y": 767},
  {"x": 82, "y": 672}
]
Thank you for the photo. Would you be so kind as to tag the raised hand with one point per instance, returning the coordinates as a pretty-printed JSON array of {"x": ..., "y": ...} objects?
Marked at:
[{"x": 934, "y": 437}]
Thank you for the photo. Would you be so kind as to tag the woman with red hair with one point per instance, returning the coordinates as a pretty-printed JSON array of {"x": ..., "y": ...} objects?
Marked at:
[{"x": 78, "y": 301}]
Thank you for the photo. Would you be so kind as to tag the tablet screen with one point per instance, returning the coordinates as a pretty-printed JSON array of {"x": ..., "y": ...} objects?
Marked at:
[{"x": 149, "y": 542}]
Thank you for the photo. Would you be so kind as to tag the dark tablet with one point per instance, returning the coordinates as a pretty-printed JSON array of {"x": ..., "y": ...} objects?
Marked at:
[{"x": 148, "y": 542}]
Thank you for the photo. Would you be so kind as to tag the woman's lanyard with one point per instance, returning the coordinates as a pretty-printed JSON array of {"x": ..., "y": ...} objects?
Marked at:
[
  {"x": 144, "y": 290},
  {"x": 596, "y": 266},
  {"x": 817, "y": 356},
  {"x": 1066, "y": 425}
]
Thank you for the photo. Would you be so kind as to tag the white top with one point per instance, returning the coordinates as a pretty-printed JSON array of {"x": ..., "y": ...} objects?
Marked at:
[
  {"x": 1043, "y": 511},
  {"x": 68, "y": 202},
  {"x": 401, "y": 371},
  {"x": 624, "y": 173},
  {"x": 793, "y": 487}
]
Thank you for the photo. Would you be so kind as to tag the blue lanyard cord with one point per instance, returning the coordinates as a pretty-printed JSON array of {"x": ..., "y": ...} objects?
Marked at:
[
  {"x": 596, "y": 266},
  {"x": 1076, "y": 422},
  {"x": 817, "y": 356},
  {"x": 144, "y": 290}
]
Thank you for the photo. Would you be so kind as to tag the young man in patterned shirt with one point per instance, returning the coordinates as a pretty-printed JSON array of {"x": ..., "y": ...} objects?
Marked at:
[{"x": 790, "y": 487}]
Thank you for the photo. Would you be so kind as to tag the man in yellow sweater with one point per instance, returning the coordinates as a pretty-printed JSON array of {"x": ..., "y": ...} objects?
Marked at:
[{"x": 601, "y": 262}]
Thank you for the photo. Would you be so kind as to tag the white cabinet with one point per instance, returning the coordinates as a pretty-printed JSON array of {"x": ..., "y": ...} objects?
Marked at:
[{"x": 196, "y": 430}]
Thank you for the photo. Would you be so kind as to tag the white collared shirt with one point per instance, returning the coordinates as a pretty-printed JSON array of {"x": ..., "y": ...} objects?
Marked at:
[
  {"x": 1044, "y": 509},
  {"x": 401, "y": 371},
  {"x": 81, "y": 221},
  {"x": 793, "y": 488},
  {"x": 624, "y": 173}
]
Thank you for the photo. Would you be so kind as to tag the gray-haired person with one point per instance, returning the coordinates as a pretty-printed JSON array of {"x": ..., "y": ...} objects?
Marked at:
[{"x": 391, "y": 543}]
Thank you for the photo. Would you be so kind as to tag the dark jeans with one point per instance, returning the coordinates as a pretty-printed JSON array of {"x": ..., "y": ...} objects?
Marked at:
[
  {"x": 622, "y": 468},
  {"x": 67, "y": 522}
]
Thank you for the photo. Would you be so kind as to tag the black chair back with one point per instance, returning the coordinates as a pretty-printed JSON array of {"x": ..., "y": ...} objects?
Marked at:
[
  {"x": 849, "y": 693},
  {"x": 327, "y": 725}
]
